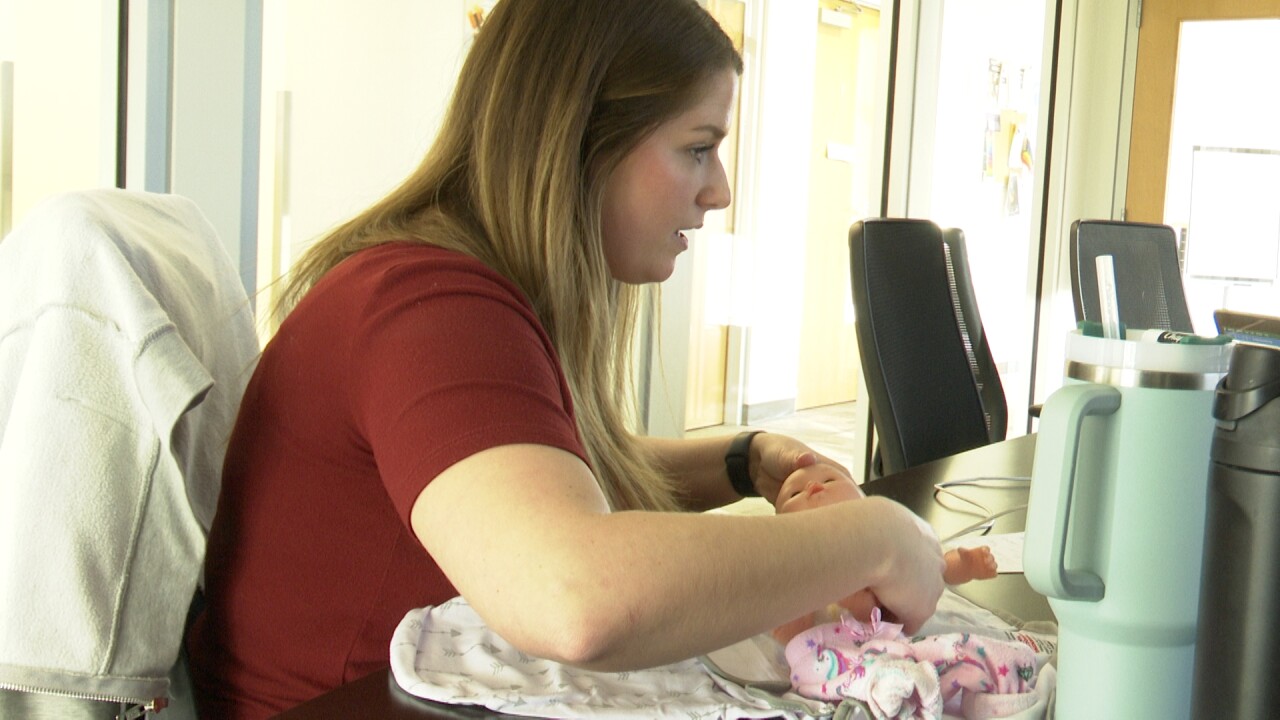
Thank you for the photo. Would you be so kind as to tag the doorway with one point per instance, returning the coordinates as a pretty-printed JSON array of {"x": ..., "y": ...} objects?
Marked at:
[
  {"x": 839, "y": 162},
  {"x": 711, "y": 258},
  {"x": 1205, "y": 151}
]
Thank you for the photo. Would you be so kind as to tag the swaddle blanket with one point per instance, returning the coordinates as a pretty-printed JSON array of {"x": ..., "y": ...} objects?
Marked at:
[{"x": 447, "y": 654}]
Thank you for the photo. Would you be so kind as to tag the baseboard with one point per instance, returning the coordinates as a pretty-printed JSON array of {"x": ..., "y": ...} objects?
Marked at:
[{"x": 772, "y": 410}]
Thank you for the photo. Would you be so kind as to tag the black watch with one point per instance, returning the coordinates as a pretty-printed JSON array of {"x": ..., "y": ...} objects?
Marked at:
[{"x": 737, "y": 462}]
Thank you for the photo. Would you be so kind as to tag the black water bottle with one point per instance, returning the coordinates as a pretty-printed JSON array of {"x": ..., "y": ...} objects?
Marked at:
[{"x": 1237, "y": 658}]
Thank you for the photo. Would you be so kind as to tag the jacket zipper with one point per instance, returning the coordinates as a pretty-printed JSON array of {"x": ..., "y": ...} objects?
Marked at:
[{"x": 139, "y": 709}]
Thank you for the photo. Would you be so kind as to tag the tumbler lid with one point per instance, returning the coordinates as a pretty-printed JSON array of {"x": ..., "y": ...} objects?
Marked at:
[
  {"x": 1145, "y": 363},
  {"x": 1252, "y": 381},
  {"x": 1244, "y": 407}
]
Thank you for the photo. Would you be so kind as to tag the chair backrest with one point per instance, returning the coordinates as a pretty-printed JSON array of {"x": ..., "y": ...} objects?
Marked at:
[
  {"x": 1148, "y": 280},
  {"x": 924, "y": 398},
  {"x": 983, "y": 366},
  {"x": 126, "y": 340}
]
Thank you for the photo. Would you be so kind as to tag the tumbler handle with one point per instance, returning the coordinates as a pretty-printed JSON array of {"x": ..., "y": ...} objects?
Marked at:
[{"x": 1052, "y": 488}]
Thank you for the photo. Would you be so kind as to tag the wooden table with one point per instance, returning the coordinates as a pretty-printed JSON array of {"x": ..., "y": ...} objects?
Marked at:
[{"x": 378, "y": 696}]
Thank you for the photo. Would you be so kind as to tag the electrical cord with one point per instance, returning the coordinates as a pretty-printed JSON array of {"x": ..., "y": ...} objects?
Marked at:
[
  {"x": 984, "y": 524},
  {"x": 945, "y": 489}
]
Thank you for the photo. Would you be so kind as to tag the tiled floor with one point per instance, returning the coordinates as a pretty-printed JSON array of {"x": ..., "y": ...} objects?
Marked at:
[{"x": 828, "y": 429}]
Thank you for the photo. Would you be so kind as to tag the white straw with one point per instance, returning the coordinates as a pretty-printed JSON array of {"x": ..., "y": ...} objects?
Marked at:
[{"x": 1107, "y": 295}]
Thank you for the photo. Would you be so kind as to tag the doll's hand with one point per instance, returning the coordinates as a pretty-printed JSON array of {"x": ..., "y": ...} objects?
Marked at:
[{"x": 965, "y": 564}]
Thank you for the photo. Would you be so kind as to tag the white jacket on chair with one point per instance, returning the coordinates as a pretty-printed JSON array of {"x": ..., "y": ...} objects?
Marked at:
[{"x": 126, "y": 339}]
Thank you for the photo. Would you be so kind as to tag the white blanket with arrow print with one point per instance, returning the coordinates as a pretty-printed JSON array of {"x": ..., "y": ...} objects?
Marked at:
[{"x": 447, "y": 654}]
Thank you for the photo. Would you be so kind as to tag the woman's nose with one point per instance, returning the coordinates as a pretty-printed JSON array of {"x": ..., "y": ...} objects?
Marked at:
[{"x": 716, "y": 195}]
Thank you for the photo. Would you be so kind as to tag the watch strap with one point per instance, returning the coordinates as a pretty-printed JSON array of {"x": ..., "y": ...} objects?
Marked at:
[{"x": 737, "y": 463}]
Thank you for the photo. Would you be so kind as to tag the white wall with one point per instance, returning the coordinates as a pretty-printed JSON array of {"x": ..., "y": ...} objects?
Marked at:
[
  {"x": 62, "y": 54},
  {"x": 352, "y": 95},
  {"x": 369, "y": 83},
  {"x": 368, "y": 86}
]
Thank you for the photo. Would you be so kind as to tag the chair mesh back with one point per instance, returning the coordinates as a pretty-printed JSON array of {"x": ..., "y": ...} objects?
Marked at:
[
  {"x": 924, "y": 401},
  {"x": 965, "y": 304},
  {"x": 1149, "y": 289},
  {"x": 969, "y": 353}
]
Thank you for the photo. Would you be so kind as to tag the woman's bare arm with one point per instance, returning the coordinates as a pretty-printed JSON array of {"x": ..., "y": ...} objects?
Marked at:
[
  {"x": 698, "y": 466},
  {"x": 524, "y": 533}
]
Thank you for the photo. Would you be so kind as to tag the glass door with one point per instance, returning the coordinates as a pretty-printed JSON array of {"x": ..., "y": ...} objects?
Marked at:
[
  {"x": 975, "y": 121},
  {"x": 1210, "y": 168}
]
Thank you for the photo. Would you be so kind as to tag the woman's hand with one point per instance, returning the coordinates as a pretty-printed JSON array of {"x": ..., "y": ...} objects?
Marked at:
[
  {"x": 911, "y": 575},
  {"x": 774, "y": 457}
]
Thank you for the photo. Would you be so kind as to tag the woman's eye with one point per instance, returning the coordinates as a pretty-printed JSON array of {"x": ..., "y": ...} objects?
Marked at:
[{"x": 700, "y": 153}]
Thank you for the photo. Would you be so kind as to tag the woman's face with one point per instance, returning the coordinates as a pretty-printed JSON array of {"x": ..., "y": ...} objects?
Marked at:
[{"x": 665, "y": 185}]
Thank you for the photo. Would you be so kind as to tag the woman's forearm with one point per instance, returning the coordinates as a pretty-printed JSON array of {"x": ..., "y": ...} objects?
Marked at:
[
  {"x": 678, "y": 586},
  {"x": 525, "y": 535},
  {"x": 697, "y": 467}
]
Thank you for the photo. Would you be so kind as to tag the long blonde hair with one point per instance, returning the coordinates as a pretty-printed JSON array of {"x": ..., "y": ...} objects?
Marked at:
[{"x": 551, "y": 97}]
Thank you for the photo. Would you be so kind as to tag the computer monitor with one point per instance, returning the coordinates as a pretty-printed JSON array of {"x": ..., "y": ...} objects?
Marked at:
[
  {"x": 1233, "y": 226},
  {"x": 1248, "y": 327}
]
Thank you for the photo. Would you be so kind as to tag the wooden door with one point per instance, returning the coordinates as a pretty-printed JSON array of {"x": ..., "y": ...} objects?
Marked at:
[{"x": 1153, "y": 91}]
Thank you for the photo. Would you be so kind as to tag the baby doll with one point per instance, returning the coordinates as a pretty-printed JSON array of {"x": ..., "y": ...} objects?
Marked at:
[
  {"x": 846, "y": 651},
  {"x": 820, "y": 485},
  {"x": 895, "y": 676}
]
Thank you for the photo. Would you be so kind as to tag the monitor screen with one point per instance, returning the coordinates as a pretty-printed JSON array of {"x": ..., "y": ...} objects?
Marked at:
[{"x": 1233, "y": 231}]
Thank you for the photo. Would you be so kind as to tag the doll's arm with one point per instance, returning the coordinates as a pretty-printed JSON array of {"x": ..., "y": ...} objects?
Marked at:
[
  {"x": 858, "y": 604},
  {"x": 965, "y": 564},
  {"x": 783, "y": 633}
]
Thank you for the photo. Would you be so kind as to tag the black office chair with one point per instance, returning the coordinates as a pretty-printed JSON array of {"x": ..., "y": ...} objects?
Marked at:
[
  {"x": 915, "y": 338},
  {"x": 978, "y": 353},
  {"x": 1148, "y": 279}
]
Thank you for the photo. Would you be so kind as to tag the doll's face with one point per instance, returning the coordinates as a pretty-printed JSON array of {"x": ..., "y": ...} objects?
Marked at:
[{"x": 816, "y": 486}]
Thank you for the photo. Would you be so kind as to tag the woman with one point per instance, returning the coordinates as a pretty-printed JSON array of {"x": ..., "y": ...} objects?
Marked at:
[{"x": 443, "y": 411}]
